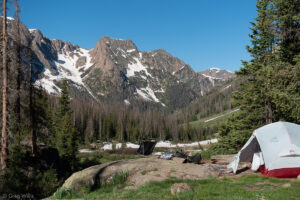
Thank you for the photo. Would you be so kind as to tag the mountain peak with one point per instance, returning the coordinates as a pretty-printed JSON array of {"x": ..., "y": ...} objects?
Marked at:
[{"x": 115, "y": 70}]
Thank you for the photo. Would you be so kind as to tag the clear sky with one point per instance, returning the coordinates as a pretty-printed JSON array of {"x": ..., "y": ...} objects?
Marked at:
[{"x": 203, "y": 33}]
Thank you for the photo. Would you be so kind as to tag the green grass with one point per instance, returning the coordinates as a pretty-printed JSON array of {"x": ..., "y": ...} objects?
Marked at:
[
  {"x": 206, "y": 154},
  {"x": 144, "y": 172},
  {"x": 243, "y": 188},
  {"x": 107, "y": 187},
  {"x": 201, "y": 121}
]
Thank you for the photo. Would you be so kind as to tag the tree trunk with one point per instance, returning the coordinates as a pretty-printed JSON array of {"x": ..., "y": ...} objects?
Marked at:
[
  {"x": 32, "y": 112},
  {"x": 4, "y": 92},
  {"x": 18, "y": 100}
]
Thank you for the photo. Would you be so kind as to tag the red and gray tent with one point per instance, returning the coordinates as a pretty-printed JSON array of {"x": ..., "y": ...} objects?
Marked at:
[{"x": 275, "y": 148}]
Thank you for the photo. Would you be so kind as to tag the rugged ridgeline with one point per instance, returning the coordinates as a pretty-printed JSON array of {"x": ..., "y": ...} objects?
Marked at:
[{"x": 116, "y": 71}]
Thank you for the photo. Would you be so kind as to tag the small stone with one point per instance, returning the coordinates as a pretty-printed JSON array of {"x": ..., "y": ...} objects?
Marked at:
[
  {"x": 286, "y": 185},
  {"x": 180, "y": 187}
]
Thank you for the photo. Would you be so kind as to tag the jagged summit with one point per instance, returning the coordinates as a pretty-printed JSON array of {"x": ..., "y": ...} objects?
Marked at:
[{"x": 116, "y": 70}]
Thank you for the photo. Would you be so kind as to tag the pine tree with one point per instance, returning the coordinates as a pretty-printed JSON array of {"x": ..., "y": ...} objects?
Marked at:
[
  {"x": 43, "y": 116},
  {"x": 288, "y": 12},
  {"x": 270, "y": 88},
  {"x": 65, "y": 134}
]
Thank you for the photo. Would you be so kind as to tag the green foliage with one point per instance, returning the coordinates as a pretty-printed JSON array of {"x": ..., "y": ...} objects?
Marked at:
[
  {"x": 15, "y": 179},
  {"x": 43, "y": 116},
  {"x": 67, "y": 137},
  {"x": 46, "y": 183},
  {"x": 270, "y": 88},
  {"x": 25, "y": 174},
  {"x": 206, "y": 154}
]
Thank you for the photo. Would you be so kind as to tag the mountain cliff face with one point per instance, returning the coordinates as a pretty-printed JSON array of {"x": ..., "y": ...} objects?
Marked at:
[{"x": 116, "y": 71}]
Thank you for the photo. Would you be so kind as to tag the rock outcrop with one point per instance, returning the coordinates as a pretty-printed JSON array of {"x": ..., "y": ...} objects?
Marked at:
[{"x": 142, "y": 171}]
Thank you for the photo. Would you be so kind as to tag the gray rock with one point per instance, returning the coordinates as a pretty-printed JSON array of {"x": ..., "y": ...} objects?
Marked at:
[{"x": 81, "y": 61}]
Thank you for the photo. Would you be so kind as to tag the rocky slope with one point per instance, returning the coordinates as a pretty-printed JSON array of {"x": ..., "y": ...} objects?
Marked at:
[{"x": 116, "y": 71}]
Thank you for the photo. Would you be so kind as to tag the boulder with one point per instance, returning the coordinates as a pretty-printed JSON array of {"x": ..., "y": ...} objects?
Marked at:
[
  {"x": 180, "y": 187},
  {"x": 89, "y": 176},
  {"x": 158, "y": 169}
]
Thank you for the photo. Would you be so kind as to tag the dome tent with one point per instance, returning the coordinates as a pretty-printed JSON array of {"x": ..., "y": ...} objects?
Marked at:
[{"x": 279, "y": 146}]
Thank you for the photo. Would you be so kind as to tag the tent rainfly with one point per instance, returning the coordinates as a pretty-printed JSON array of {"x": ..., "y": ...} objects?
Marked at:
[{"x": 274, "y": 149}]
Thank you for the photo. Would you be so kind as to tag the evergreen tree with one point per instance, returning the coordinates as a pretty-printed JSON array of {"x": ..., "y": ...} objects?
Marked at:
[
  {"x": 288, "y": 12},
  {"x": 270, "y": 88},
  {"x": 43, "y": 116},
  {"x": 65, "y": 133}
]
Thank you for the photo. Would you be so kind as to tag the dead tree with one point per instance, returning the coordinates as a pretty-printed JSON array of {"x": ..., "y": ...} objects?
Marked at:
[
  {"x": 4, "y": 92},
  {"x": 18, "y": 66}
]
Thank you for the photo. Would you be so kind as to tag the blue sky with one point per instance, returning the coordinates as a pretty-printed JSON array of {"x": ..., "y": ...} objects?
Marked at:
[{"x": 203, "y": 33}]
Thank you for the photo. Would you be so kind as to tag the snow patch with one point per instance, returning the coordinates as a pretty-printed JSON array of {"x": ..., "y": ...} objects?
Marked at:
[
  {"x": 130, "y": 50},
  {"x": 136, "y": 67},
  {"x": 108, "y": 145},
  {"x": 153, "y": 54},
  {"x": 66, "y": 68},
  {"x": 86, "y": 151},
  {"x": 161, "y": 90},
  {"x": 168, "y": 144},
  {"x": 126, "y": 102},
  {"x": 165, "y": 144},
  {"x": 10, "y": 18},
  {"x": 47, "y": 83},
  {"x": 132, "y": 145},
  {"x": 148, "y": 94},
  {"x": 225, "y": 88},
  {"x": 32, "y": 30},
  {"x": 211, "y": 78},
  {"x": 215, "y": 69}
]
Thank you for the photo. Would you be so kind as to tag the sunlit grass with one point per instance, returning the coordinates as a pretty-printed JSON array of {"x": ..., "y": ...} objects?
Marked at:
[{"x": 229, "y": 188}]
